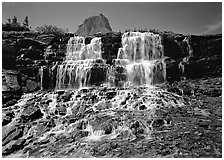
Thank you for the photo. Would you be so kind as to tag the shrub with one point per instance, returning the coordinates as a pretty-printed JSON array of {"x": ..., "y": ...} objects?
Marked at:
[
  {"x": 50, "y": 29},
  {"x": 16, "y": 27},
  {"x": 13, "y": 25}
]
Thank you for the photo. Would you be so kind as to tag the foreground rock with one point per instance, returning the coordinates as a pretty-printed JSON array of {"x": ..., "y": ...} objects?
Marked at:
[{"x": 112, "y": 122}]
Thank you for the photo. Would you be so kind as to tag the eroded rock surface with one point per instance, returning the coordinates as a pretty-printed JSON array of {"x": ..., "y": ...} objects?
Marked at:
[{"x": 117, "y": 122}]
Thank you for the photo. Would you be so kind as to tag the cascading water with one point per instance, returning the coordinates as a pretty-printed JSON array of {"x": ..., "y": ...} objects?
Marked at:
[
  {"x": 141, "y": 58},
  {"x": 77, "y": 50},
  {"x": 80, "y": 118},
  {"x": 139, "y": 61},
  {"x": 83, "y": 65}
]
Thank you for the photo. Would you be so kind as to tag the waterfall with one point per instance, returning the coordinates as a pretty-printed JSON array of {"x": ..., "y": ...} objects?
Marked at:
[
  {"x": 83, "y": 65},
  {"x": 139, "y": 62},
  {"x": 77, "y": 50},
  {"x": 141, "y": 58}
]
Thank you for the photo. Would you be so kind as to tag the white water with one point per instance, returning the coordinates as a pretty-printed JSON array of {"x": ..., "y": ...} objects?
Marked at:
[
  {"x": 142, "y": 57},
  {"x": 81, "y": 60},
  {"x": 77, "y": 50},
  {"x": 138, "y": 46},
  {"x": 140, "y": 60}
]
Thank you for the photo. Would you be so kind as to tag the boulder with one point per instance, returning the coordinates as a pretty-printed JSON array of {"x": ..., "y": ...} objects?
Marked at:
[
  {"x": 7, "y": 117},
  {"x": 27, "y": 42},
  {"x": 172, "y": 47},
  {"x": 62, "y": 109},
  {"x": 11, "y": 88},
  {"x": 30, "y": 113},
  {"x": 111, "y": 94},
  {"x": 31, "y": 53},
  {"x": 12, "y": 132},
  {"x": 13, "y": 146},
  {"x": 9, "y": 53},
  {"x": 31, "y": 85},
  {"x": 173, "y": 73},
  {"x": 111, "y": 42},
  {"x": 47, "y": 39},
  {"x": 55, "y": 52},
  {"x": 198, "y": 68}
]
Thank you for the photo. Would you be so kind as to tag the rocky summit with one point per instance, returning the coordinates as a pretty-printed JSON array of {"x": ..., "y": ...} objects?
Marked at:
[{"x": 93, "y": 25}]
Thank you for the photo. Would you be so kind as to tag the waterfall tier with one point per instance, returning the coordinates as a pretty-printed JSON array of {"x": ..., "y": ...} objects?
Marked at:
[
  {"x": 78, "y": 50},
  {"x": 81, "y": 73},
  {"x": 83, "y": 65},
  {"x": 138, "y": 46},
  {"x": 141, "y": 59}
]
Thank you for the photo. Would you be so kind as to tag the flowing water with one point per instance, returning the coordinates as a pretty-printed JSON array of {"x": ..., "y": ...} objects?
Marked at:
[
  {"x": 105, "y": 112},
  {"x": 141, "y": 58},
  {"x": 140, "y": 61},
  {"x": 82, "y": 65}
]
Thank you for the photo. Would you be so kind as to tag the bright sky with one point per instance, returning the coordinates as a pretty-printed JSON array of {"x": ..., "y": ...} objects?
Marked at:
[{"x": 186, "y": 18}]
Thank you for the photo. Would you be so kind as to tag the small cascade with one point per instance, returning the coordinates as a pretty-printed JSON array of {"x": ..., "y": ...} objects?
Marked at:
[
  {"x": 140, "y": 59},
  {"x": 189, "y": 54},
  {"x": 83, "y": 65},
  {"x": 48, "y": 76},
  {"x": 138, "y": 46},
  {"x": 77, "y": 50},
  {"x": 189, "y": 47}
]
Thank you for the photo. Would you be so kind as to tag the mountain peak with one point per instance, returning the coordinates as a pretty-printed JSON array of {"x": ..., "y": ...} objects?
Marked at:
[
  {"x": 101, "y": 15},
  {"x": 93, "y": 25}
]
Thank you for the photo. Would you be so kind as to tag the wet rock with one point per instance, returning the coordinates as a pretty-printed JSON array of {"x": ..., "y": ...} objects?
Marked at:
[
  {"x": 7, "y": 117},
  {"x": 172, "y": 47},
  {"x": 27, "y": 42},
  {"x": 208, "y": 66},
  {"x": 111, "y": 94},
  {"x": 111, "y": 42},
  {"x": 11, "y": 102},
  {"x": 31, "y": 53},
  {"x": 158, "y": 123},
  {"x": 46, "y": 39},
  {"x": 60, "y": 92},
  {"x": 12, "y": 132},
  {"x": 173, "y": 72},
  {"x": 108, "y": 129},
  {"x": 62, "y": 109},
  {"x": 14, "y": 146},
  {"x": 81, "y": 125},
  {"x": 213, "y": 92},
  {"x": 135, "y": 125},
  {"x": 11, "y": 88},
  {"x": 30, "y": 71},
  {"x": 175, "y": 90},
  {"x": 66, "y": 96},
  {"x": 204, "y": 124},
  {"x": 9, "y": 53},
  {"x": 31, "y": 85},
  {"x": 142, "y": 107},
  {"x": 77, "y": 135},
  {"x": 31, "y": 112},
  {"x": 10, "y": 78}
]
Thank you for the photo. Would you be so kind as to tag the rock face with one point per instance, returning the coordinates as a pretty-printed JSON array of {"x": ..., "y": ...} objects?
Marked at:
[
  {"x": 9, "y": 53},
  {"x": 185, "y": 57},
  {"x": 93, "y": 25},
  {"x": 185, "y": 121}
]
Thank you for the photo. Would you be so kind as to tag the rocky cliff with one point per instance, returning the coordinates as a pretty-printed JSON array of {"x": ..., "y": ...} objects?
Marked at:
[
  {"x": 93, "y": 25},
  {"x": 182, "y": 121}
]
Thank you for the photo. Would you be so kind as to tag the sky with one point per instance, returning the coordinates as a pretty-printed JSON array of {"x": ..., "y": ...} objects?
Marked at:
[{"x": 180, "y": 17}]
